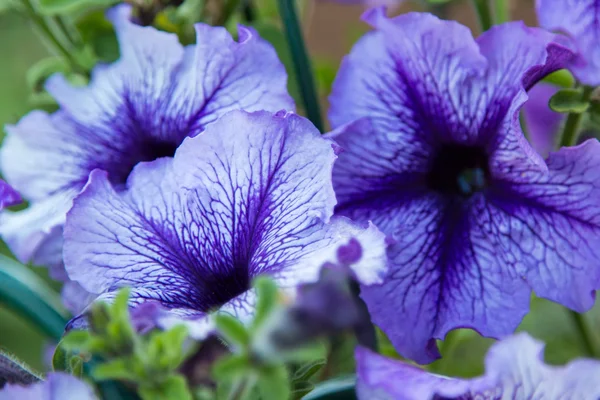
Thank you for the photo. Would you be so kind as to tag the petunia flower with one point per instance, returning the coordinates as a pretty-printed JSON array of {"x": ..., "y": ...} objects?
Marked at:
[
  {"x": 138, "y": 109},
  {"x": 579, "y": 19},
  {"x": 514, "y": 370},
  {"x": 57, "y": 386},
  {"x": 251, "y": 195},
  {"x": 8, "y": 196},
  {"x": 434, "y": 155}
]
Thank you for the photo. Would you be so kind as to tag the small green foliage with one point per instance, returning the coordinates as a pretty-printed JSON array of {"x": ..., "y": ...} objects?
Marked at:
[
  {"x": 266, "y": 292},
  {"x": 100, "y": 35},
  {"x": 274, "y": 382},
  {"x": 570, "y": 101},
  {"x": 174, "y": 387},
  {"x": 151, "y": 361},
  {"x": 232, "y": 330}
]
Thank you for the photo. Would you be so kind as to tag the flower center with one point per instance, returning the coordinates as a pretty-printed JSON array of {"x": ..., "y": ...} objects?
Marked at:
[
  {"x": 459, "y": 169},
  {"x": 148, "y": 150}
]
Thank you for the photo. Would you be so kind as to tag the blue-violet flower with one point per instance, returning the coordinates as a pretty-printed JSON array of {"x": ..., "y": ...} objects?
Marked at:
[{"x": 434, "y": 155}]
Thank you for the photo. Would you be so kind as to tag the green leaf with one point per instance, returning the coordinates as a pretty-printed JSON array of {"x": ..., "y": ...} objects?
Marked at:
[
  {"x": 569, "y": 101},
  {"x": 562, "y": 78},
  {"x": 60, "y": 361},
  {"x": 274, "y": 383},
  {"x": 118, "y": 368},
  {"x": 231, "y": 367},
  {"x": 306, "y": 371},
  {"x": 27, "y": 294},
  {"x": 76, "y": 340},
  {"x": 232, "y": 329},
  {"x": 54, "y": 7},
  {"x": 266, "y": 292},
  {"x": 41, "y": 70},
  {"x": 174, "y": 387},
  {"x": 99, "y": 33}
]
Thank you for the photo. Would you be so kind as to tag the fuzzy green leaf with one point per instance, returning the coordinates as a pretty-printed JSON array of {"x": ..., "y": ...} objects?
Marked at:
[
  {"x": 41, "y": 70},
  {"x": 232, "y": 330}
]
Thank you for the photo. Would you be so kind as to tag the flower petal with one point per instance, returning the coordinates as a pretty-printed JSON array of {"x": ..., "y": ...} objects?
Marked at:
[
  {"x": 423, "y": 80},
  {"x": 542, "y": 123},
  {"x": 34, "y": 233},
  {"x": 381, "y": 378},
  {"x": 552, "y": 220},
  {"x": 580, "y": 19},
  {"x": 446, "y": 274},
  {"x": 57, "y": 386},
  {"x": 8, "y": 196},
  {"x": 249, "y": 196},
  {"x": 514, "y": 370}
]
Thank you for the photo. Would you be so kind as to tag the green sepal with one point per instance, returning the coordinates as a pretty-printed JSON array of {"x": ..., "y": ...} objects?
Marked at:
[
  {"x": 569, "y": 101},
  {"x": 165, "y": 348}
]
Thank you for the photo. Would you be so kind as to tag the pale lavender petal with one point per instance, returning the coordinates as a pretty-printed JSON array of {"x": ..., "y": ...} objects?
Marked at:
[
  {"x": 57, "y": 386},
  {"x": 542, "y": 124},
  {"x": 250, "y": 195},
  {"x": 32, "y": 234},
  {"x": 514, "y": 370},
  {"x": 139, "y": 108},
  {"x": 579, "y": 19}
]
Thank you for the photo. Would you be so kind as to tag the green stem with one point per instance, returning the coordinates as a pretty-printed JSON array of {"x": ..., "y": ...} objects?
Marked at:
[
  {"x": 68, "y": 31},
  {"x": 572, "y": 126},
  {"x": 586, "y": 339},
  {"x": 26, "y": 293},
  {"x": 289, "y": 17},
  {"x": 227, "y": 12},
  {"x": 43, "y": 26},
  {"x": 484, "y": 13},
  {"x": 501, "y": 12}
]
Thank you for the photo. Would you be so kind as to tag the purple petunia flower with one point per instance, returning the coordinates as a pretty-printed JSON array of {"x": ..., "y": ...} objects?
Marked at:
[
  {"x": 514, "y": 370},
  {"x": 8, "y": 196},
  {"x": 138, "y": 109},
  {"x": 435, "y": 157},
  {"x": 580, "y": 20},
  {"x": 57, "y": 386},
  {"x": 251, "y": 195}
]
